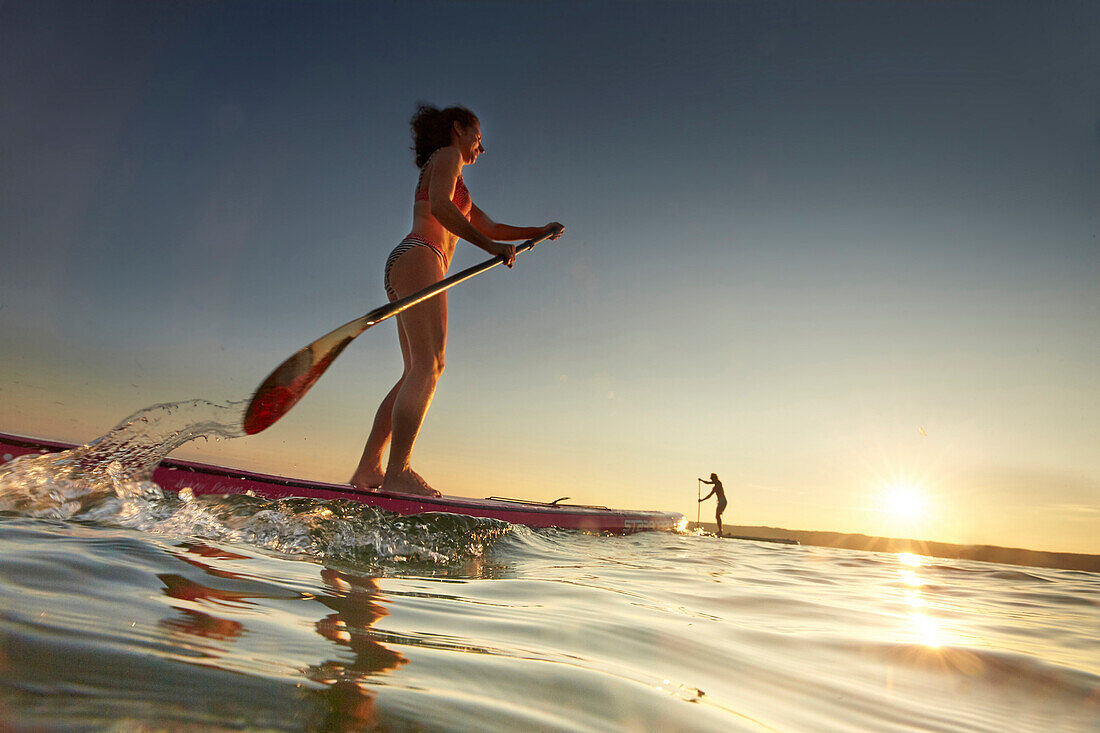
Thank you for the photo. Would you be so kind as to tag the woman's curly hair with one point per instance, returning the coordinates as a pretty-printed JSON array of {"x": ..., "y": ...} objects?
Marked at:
[{"x": 431, "y": 128}]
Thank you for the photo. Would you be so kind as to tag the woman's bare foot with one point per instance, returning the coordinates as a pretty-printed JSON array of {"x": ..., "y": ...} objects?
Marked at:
[
  {"x": 407, "y": 482},
  {"x": 367, "y": 480}
]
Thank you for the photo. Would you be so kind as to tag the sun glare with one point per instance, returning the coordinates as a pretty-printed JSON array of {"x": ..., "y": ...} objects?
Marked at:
[{"x": 904, "y": 501}]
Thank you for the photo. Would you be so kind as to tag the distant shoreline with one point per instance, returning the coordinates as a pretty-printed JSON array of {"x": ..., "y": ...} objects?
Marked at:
[{"x": 981, "y": 553}]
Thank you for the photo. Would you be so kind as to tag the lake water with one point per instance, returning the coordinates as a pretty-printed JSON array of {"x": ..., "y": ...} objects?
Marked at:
[{"x": 128, "y": 609}]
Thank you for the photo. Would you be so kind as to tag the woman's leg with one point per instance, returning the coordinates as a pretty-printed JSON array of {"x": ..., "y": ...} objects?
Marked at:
[
  {"x": 369, "y": 473},
  {"x": 424, "y": 328}
]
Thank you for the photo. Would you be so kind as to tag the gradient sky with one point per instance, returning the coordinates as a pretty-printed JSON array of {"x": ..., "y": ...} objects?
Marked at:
[{"x": 822, "y": 249}]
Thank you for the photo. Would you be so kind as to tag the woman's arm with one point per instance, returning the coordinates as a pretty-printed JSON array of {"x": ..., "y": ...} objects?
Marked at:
[
  {"x": 494, "y": 230},
  {"x": 708, "y": 495},
  {"x": 442, "y": 183}
]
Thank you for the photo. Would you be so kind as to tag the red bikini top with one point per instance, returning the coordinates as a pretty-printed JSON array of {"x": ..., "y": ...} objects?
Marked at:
[{"x": 460, "y": 196}]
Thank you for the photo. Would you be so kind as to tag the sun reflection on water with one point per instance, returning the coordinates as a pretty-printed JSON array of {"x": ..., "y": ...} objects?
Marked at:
[
  {"x": 910, "y": 559},
  {"x": 927, "y": 627}
]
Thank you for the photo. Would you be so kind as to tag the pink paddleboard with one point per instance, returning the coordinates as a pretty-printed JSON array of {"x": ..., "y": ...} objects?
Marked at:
[{"x": 201, "y": 478}]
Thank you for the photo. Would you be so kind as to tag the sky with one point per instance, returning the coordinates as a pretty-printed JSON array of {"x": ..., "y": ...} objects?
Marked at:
[{"x": 843, "y": 254}]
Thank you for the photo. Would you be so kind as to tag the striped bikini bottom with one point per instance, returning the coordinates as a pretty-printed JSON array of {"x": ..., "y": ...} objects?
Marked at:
[{"x": 409, "y": 242}]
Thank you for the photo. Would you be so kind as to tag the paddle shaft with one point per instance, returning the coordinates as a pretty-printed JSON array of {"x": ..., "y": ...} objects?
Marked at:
[
  {"x": 698, "y": 500},
  {"x": 292, "y": 379}
]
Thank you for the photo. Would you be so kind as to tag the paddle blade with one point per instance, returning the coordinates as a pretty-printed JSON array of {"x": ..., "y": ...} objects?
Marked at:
[{"x": 288, "y": 383}]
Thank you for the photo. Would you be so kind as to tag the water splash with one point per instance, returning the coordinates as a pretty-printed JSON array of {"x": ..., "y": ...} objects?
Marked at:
[
  {"x": 119, "y": 465},
  {"x": 109, "y": 481},
  {"x": 140, "y": 442}
]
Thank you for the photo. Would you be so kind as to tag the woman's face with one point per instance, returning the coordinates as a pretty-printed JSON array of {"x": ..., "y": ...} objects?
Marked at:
[{"x": 469, "y": 141}]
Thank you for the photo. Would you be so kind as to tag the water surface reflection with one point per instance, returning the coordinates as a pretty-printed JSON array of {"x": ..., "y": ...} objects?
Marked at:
[{"x": 212, "y": 616}]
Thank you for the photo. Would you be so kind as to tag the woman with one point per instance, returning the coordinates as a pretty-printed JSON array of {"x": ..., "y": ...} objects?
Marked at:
[
  {"x": 445, "y": 141},
  {"x": 721, "y": 492}
]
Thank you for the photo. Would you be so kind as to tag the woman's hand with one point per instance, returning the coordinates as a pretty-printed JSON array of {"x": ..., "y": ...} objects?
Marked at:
[
  {"x": 554, "y": 229},
  {"x": 505, "y": 251}
]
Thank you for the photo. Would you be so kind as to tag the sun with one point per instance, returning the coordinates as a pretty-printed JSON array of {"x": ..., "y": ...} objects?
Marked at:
[{"x": 904, "y": 501}]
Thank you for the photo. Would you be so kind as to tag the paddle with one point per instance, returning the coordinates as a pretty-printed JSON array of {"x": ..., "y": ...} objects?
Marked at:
[
  {"x": 292, "y": 379},
  {"x": 699, "y": 503}
]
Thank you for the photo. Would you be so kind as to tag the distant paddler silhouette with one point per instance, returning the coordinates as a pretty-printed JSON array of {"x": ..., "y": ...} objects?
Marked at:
[{"x": 721, "y": 494}]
